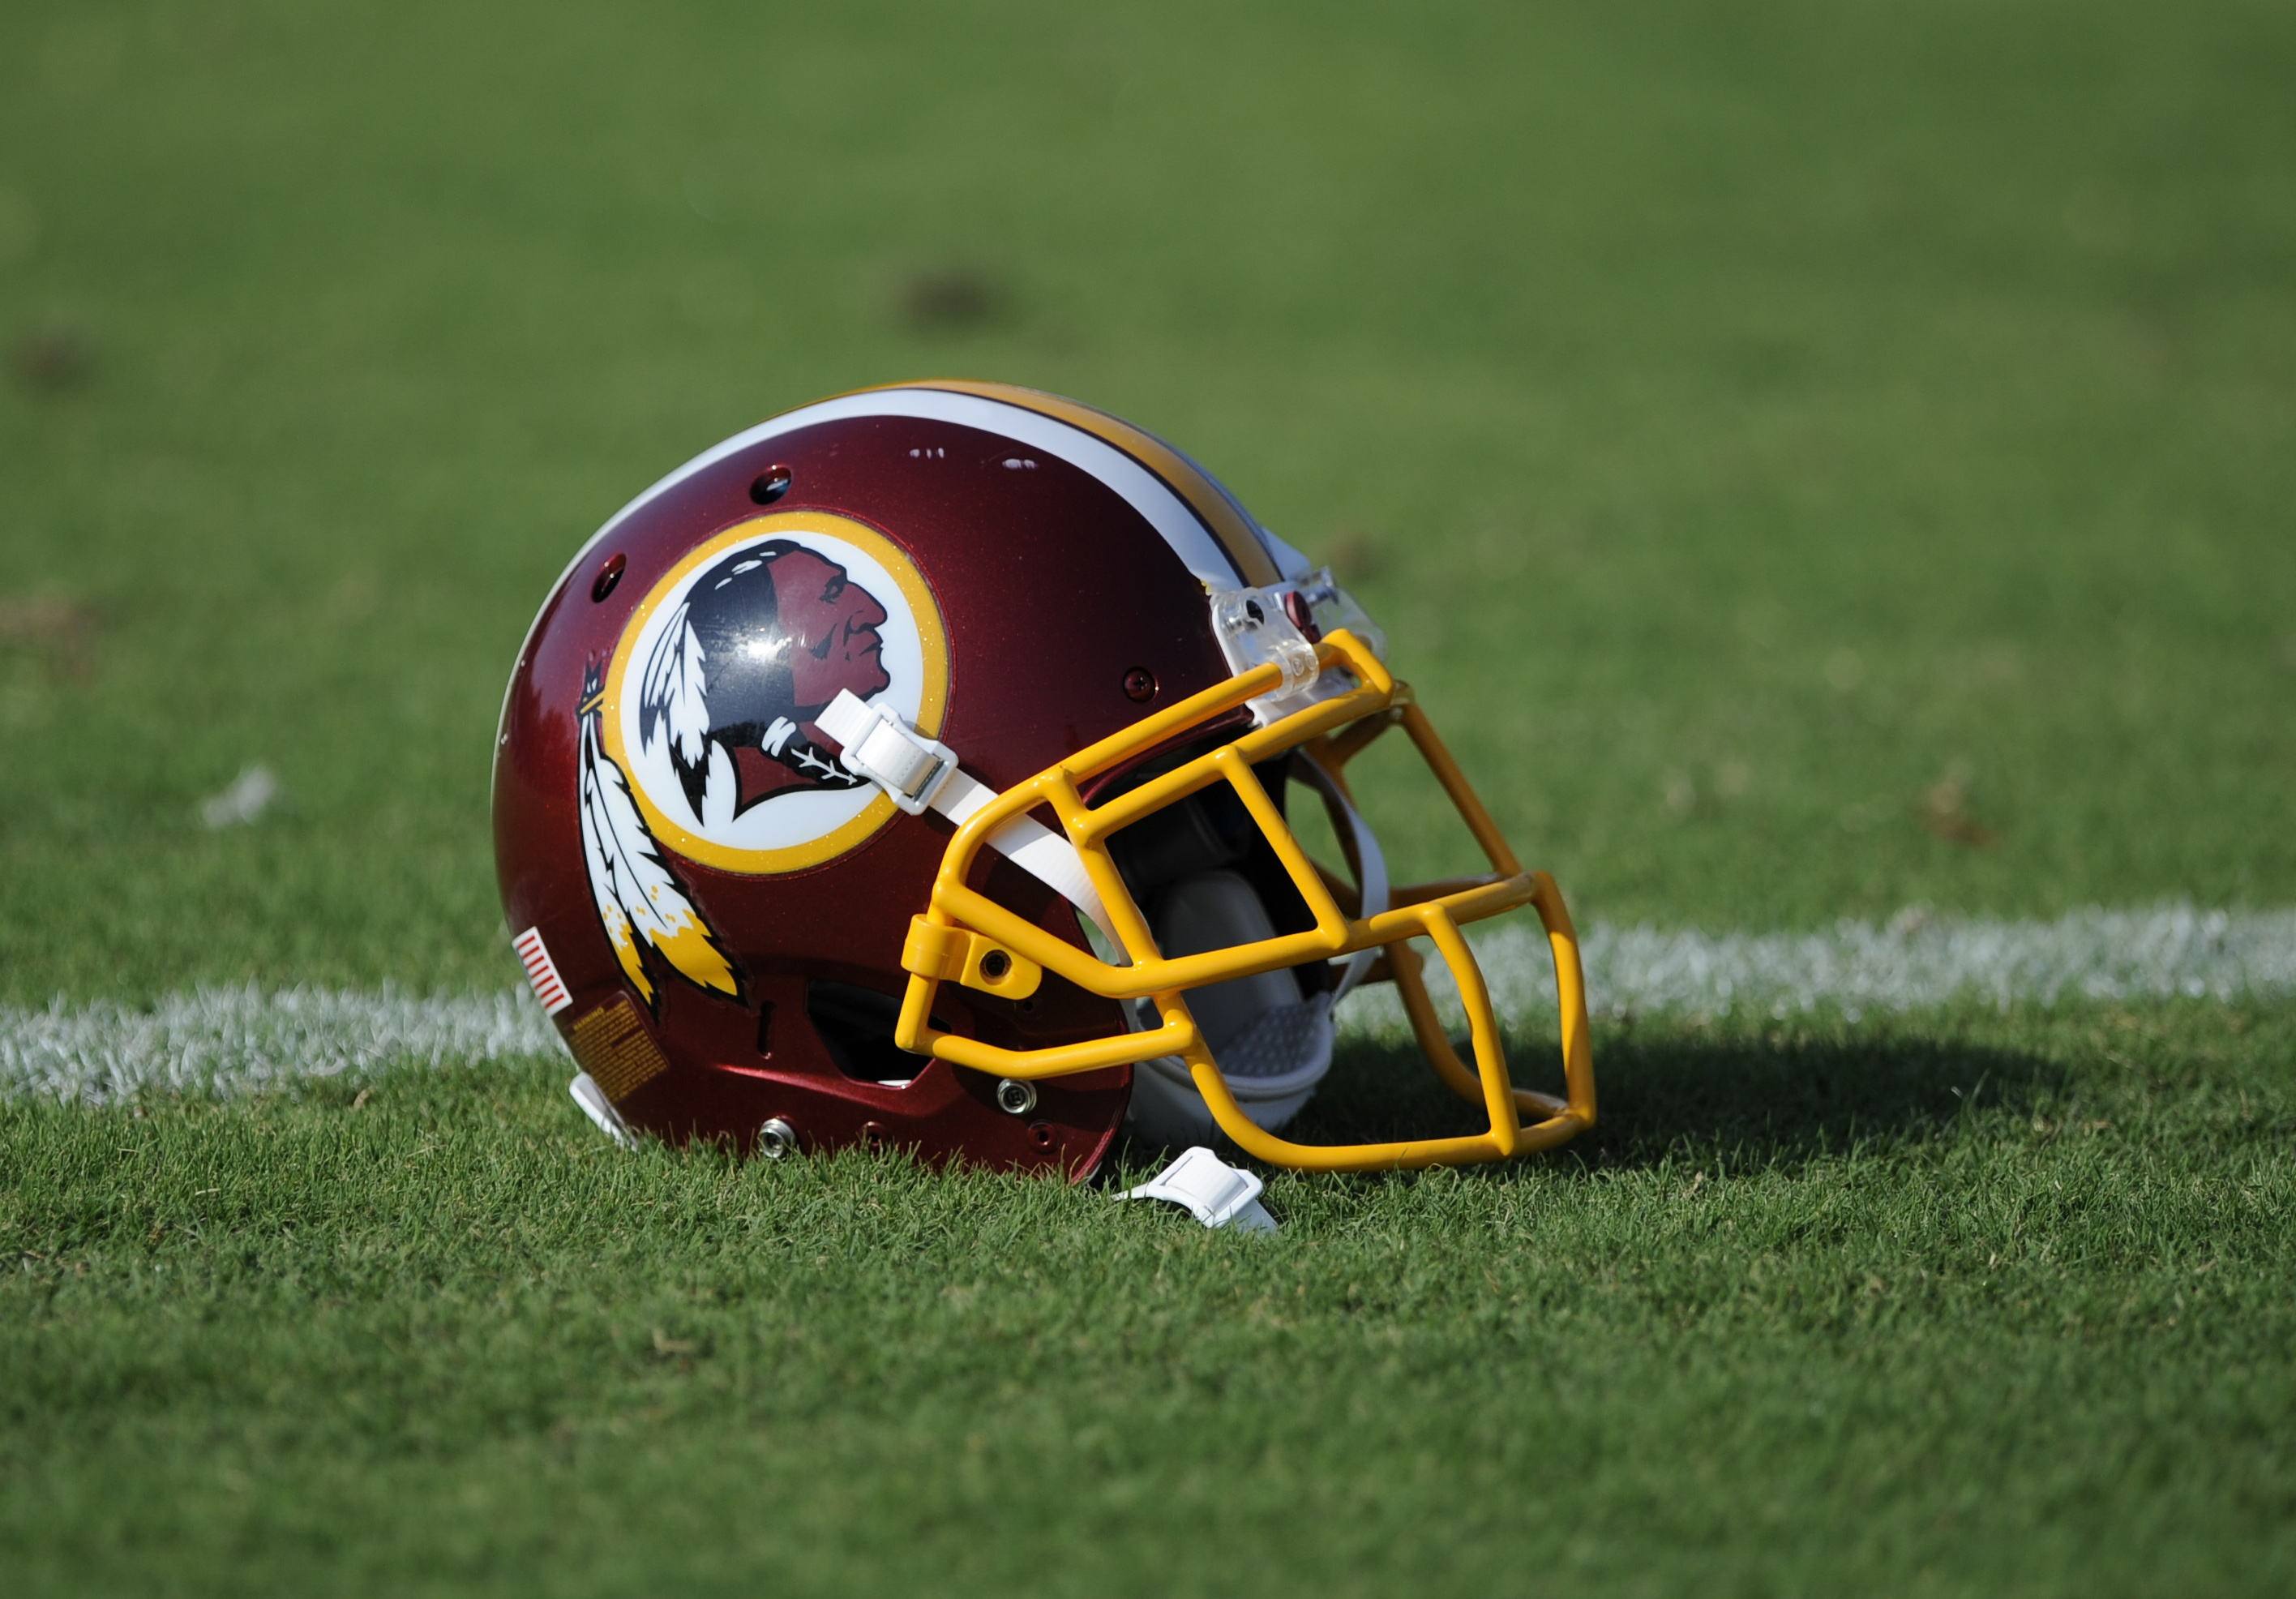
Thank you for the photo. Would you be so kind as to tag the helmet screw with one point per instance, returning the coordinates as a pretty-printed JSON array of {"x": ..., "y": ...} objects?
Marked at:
[
  {"x": 609, "y": 575},
  {"x": 995, "y": 964},
  {"x": 1016, "y": 1097},
  {"x": 1140, "y": 685},
  {"x": 775, "y": 1139},
  {"x": 770, "y": 484}
]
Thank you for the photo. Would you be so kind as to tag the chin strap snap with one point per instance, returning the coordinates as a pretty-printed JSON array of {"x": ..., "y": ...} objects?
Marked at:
[
  {"x": 601, "y": 1110},
  {"x": 1219, "y": 1195},
  {"x": 919, "y": 774}
]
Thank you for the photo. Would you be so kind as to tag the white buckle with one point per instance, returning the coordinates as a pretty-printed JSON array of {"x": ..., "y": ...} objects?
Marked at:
[
  {"x": 1219, "y": 1195},
  {"x": 879, "y": 746}
]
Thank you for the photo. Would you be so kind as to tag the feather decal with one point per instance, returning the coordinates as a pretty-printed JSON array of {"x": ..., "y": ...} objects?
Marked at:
[
  {"x": 675, "y": 690},
  {"x": 639, "y": 899}
]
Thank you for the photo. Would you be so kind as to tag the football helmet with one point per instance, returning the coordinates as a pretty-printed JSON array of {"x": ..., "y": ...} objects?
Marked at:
[{"x": 911, "y": 771}]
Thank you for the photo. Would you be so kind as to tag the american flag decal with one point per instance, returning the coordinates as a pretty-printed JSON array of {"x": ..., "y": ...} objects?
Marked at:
[{"x": 541, "y": 972}]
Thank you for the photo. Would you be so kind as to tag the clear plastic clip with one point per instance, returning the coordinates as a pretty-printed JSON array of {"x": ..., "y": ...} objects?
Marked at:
[
  {"x": 1333, "y": 608},
  {"x": 1254, "y": 631}
]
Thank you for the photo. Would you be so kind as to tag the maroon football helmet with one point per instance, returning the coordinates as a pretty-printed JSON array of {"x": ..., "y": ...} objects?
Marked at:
[{"x": 911, "y": 771}]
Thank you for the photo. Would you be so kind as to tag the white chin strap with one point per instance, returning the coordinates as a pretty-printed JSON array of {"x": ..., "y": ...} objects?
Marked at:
[
  {"x": 1368, "y": 854},
  {"x": 921, "y": 774}
]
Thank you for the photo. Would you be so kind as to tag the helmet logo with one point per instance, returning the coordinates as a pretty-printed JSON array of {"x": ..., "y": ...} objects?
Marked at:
[
  {"x": 710, "y": 702},
  {"x": 760, "y": 645}
]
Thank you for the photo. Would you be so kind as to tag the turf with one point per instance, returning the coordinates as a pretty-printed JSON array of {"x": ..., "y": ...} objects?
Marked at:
[
  {"x": 2000, "y": 1305},
  {"x": 1812, "y": 459}
]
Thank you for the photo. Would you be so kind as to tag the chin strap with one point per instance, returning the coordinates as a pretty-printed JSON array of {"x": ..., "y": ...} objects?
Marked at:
[
  {"x": 919, "y": 775},
  {"x": 1372, "y": 859}
]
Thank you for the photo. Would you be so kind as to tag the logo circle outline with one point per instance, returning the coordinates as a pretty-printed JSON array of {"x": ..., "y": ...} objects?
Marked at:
[{"x": 932, "y": 638}]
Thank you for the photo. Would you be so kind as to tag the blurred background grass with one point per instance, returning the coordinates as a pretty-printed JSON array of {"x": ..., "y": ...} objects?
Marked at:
[{"x": 1812, "y": 458}]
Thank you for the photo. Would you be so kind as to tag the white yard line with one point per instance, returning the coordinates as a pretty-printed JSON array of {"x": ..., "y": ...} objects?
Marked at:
[
  {"x": 240, "y": 1040},
  {"x": 1917, "y": 961}
]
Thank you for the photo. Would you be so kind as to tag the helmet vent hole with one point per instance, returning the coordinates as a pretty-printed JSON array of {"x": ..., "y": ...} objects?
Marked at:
[
  {"x": 1140, "y": 686},
  {"x": 608, "y": 576},
  {"x": 770, "y": 484}
]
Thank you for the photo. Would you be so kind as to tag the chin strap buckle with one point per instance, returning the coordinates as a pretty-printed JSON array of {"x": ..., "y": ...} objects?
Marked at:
[
  {"x": 601, "y": 1110},
  {"x": 909, "y": 767},
  {"x": 1219, "y": 1195},
  {"x": 919, "y": 774}
]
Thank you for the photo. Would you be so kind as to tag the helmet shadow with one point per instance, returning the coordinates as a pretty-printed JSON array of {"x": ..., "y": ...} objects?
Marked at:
[{"x": 1759, "y": 1100}]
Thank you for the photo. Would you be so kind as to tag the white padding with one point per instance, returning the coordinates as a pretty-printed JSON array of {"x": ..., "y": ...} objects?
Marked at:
[
  {"x": 1166, "y": 1108},
  {"x": 1219, "y": 1196},
  {"x": 1272, "y": 1047}
]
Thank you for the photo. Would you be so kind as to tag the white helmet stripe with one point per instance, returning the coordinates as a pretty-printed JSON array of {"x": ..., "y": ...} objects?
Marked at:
[{"x": 1139, "y": 488}]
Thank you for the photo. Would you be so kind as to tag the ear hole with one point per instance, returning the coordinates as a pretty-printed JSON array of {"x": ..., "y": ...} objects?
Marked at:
[{"x": 856, "y": 1027}]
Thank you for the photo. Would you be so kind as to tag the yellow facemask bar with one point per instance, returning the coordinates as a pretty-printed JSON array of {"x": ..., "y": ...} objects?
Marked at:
[{"x": 966, "y": 938}]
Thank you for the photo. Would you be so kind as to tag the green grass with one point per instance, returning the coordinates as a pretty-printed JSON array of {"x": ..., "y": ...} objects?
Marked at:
[
  {"x": 1998, "y": 1304},
  {"x": 1747, "y": 419}
]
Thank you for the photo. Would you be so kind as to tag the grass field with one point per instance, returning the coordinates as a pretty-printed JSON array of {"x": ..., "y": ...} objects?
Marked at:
[
  {"x": 1813, "y": 460},
  {"x": 1980, "y": 1305}
]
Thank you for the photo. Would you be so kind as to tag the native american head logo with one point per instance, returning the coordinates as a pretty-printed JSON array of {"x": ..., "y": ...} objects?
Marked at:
[
  {"x": 766, "y": 639},
  {"x": 700, "y": 733}
]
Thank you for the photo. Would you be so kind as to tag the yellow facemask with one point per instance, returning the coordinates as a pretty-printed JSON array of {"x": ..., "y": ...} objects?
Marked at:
[{"x": 966, "y": 938}]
